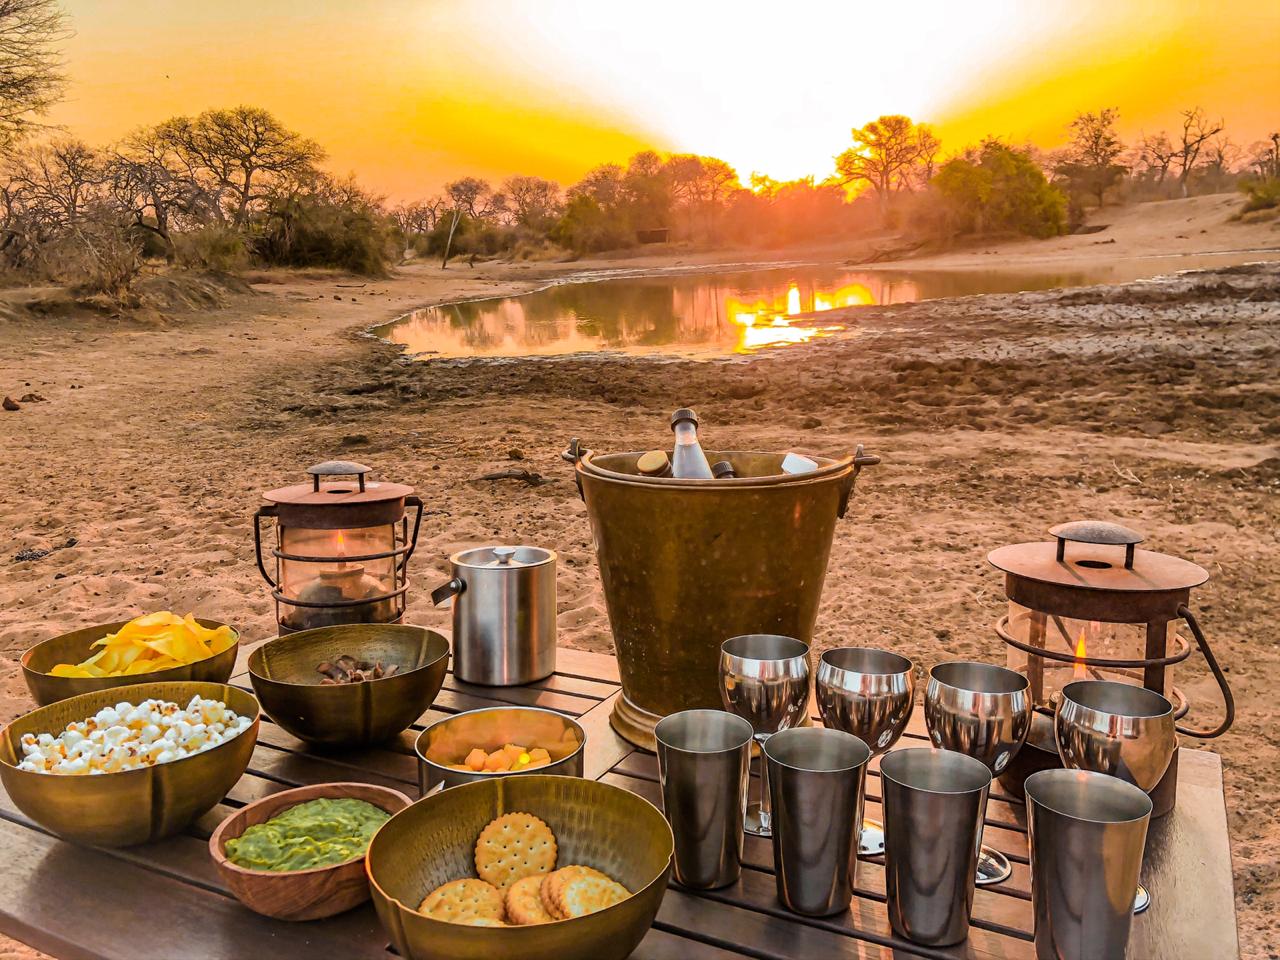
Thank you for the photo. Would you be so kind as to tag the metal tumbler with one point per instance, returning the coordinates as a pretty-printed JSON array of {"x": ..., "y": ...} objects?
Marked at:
[
  {"x": 816, "y": 780},
  {"x": 934, "y": 802},
  {"x": 1087, "y": 831},
  {"x": 704, "y": 765}
]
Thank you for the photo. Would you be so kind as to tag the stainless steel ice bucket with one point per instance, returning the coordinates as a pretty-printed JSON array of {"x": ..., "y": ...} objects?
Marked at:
[{"x": 504, "y": 614}]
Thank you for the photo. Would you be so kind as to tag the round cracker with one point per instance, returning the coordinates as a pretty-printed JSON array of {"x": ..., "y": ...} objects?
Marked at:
[
  {"x": 524, "y": 902},
  {"x": 514, "y": 846},
  {"x": 483, "y": 922},
  {"x": 552, "y": 882},
  {"x": 581, "y": 895},
  {"x": 461, "y": 901}
]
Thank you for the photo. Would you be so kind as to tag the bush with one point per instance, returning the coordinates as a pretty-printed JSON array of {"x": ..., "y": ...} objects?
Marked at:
[
  {"x": 108, "y": 261},
  {"x": 215, "y": 248},
  {"x": 1262, "y": 193},
  {"x": 314, "y": 232},
  {"x": 1000, "y": 189}
]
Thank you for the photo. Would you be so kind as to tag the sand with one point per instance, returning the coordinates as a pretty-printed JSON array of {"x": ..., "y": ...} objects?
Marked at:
[{"x": 1152, "y": 404}]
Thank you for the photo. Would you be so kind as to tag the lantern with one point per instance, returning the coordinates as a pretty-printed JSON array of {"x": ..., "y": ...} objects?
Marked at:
[
  {"x": 1090, "y": 605},
  {"x": 341, "y": 548}
]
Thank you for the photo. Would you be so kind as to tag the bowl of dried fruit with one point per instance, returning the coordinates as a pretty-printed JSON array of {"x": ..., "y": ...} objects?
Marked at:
[
  {"x": 498, "y": 742},
  {"x": 537, "y": 867},
  {"x": 350, "y": 685}
]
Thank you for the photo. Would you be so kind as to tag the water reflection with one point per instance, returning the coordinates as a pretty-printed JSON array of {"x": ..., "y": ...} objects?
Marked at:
[{"x": 702, "y": 314}]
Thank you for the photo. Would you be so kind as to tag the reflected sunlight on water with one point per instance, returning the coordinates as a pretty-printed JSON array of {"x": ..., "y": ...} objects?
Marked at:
[{"x": 689, "y": 314}]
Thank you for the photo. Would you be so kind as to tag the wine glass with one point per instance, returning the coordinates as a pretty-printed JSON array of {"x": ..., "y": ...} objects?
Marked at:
[
  {"x": 869, "y": 693},
  {"x": 764, "y": 678},
  {"x": 983, "y": 711},
  {"x": 1119, "y": 729}
]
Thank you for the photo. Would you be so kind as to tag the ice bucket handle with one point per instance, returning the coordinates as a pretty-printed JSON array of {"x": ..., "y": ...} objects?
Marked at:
[
  {"x": 860, "y": 460},
  {"x": 1228, "y": 701},
  {"x": 572, "y": 454}
]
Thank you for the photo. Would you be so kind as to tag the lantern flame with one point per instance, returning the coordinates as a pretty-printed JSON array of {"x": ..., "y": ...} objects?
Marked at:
[{"x": 1079, "y": 672}]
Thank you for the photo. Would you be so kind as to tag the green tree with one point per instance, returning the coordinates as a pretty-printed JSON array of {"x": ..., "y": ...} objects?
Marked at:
[
  {"x": 1000, "y": 188},
  {"x": 883, "y": 154}
]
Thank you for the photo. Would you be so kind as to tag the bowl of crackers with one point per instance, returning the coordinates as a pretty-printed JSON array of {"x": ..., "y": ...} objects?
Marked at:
[
  {"x": 538, "y": 867},
  {"x": 499, "y": 741}
]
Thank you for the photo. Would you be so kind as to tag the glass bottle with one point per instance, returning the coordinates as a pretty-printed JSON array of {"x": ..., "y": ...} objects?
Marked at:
[{"x": 688, "y": 462}]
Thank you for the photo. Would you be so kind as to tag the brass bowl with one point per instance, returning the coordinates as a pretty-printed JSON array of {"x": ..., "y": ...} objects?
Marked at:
[
  {"x": 602, "y": 826},
  {"x": 283, "y": 673},
  {"x": 77, "y": 646},
  {"x": 133, "y": 806},
  {"x": 299, "y": 894},
  {"x": 451, "y": 739}
]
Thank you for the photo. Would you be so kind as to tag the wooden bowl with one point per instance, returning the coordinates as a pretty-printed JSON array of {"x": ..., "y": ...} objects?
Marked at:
[
  {"x": 299, "y": 894},
  {"x": 283, "y": 674},
  {"x": 131, "y": 806},
  {"x": 78, "y": 645}
]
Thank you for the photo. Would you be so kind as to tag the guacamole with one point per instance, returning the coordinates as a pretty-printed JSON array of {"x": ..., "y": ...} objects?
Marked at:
[{"x": 318, "y": 833}]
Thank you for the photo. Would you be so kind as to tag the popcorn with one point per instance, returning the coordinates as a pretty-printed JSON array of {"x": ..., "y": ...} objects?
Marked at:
[{"x": 128, "y": 737}]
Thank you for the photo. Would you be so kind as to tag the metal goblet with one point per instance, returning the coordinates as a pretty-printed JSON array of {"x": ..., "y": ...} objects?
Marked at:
[
  {"x": 869, "y": 693},
  {"x": 983, "y": 711},
  {"x": 1119, "y": 729},
  {"x": 764, "y": 678}
]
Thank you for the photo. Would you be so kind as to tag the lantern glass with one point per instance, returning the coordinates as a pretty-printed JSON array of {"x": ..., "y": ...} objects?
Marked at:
[
  {"x": 1074, "y": 637},
  {"x": 335, "y": 575}
]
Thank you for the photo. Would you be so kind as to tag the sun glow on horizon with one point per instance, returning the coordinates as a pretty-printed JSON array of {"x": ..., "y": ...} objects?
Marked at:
[{"x": 410, "y": 93}]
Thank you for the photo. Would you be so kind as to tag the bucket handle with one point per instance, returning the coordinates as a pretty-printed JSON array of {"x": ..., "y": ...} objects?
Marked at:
[
  {"x": 860, "y": 460},
  {"x": 572, "y": 454},
  {"x": 1228, "y": 701}
]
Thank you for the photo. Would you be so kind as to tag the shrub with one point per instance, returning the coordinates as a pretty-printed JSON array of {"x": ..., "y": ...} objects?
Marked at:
[
  {"x": 1000, "y": 189},
  {"x": 315, "y": 232},
  {"x": 1262, "y": 193},
  {"x": 108, "y": 260},
  {"x": 215, "y": 248}
]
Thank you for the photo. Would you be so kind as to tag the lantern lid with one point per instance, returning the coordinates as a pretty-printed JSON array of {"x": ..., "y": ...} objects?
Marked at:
[
  {"x": 1103, "y": 556},
  {"x": 338, "y": 493}
]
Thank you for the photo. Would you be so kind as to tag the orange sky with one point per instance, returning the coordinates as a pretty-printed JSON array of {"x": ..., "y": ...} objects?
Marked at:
[{"x": 410, "y": 93}]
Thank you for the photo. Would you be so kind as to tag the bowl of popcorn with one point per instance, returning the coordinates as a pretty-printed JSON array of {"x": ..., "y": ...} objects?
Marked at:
[
  {"x": 536, "y": 867},
  {"x": 131, "y": 764},
  {"x": 349, "y": 685},
  {"x": 154, "y": 648},
  {"x": 498, "y": 742}
]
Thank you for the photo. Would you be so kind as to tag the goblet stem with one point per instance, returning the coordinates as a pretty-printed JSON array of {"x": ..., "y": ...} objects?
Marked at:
[{"x": 759, "y": 819}]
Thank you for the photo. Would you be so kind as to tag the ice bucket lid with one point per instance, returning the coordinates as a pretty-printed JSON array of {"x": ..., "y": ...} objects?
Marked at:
[{"x": 500, "y": 556}]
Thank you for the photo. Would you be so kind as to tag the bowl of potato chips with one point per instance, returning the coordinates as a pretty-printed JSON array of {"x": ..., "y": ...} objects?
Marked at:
[
  {"x": 536, "y": 867},
  {"x": 155, "y": 648}
]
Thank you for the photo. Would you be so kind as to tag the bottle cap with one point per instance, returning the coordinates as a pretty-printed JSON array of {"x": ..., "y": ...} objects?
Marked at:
[
  {"x": 653, "y": 462},
  {"x": 684, "y": 413},
  {"x": 723, "y": 468}
]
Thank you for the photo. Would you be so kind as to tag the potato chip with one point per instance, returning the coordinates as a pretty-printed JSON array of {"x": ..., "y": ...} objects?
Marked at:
[{"x": 156, "y": 641}]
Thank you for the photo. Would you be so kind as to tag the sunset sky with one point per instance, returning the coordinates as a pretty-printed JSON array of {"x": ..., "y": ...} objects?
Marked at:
[{"x": 410, "y": 93}]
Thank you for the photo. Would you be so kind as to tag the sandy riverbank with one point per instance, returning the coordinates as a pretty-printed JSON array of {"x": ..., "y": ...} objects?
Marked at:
[{"x": 997, "y": 416}]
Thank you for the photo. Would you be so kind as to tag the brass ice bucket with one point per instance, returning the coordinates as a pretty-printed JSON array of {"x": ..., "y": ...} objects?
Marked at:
[{"x": 686, "y": 564}]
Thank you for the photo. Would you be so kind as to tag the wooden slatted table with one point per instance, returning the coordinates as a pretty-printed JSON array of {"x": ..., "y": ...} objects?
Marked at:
[{"x": 165, "y": 900}]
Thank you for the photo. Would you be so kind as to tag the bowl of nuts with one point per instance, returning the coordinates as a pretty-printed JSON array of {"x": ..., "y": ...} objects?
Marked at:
[
  {"x": 349, "y": 685},
  {"x": 130, "y": 764}
]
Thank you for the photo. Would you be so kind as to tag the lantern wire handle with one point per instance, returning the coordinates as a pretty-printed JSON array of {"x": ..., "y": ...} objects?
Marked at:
[{"x": 1228, "y": 701}]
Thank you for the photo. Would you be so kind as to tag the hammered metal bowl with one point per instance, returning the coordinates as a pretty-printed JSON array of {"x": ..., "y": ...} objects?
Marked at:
[
  {"x": 134, "y": 806},
  {"x": 449, "y": 741},
  {"x": 602, "y": 826},
  {"x": 283, "y": 674},
  {"x": 77, "y": 646}
]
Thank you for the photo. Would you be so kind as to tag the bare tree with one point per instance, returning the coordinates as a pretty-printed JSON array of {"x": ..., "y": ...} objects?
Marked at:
[
  {"x": 1156, "y": 154},
  {"x": 57, "y": 181},
  {"x": 158, "y": 187},
  {"x": 1089, "y": 161},
  {"x": 247, "y": 154},
  {"x": 31, "y": 66},
  {"x": 421, "y": 216},
  {"x": 535, "y": 202},
  {"x": 1196, "y": 132},
  {"x": 469, "y": 195},
  {"x": 928, "y": 148}
]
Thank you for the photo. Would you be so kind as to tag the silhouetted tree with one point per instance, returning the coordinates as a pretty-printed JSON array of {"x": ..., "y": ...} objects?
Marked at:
[
  {"x": 534, "y": 202},
  {"x": 882, "y": 154},
  {"x": 1196, "y": 132},
  {"x": 31, "y": 66},
  {"x": 1089, "y": 162}
]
